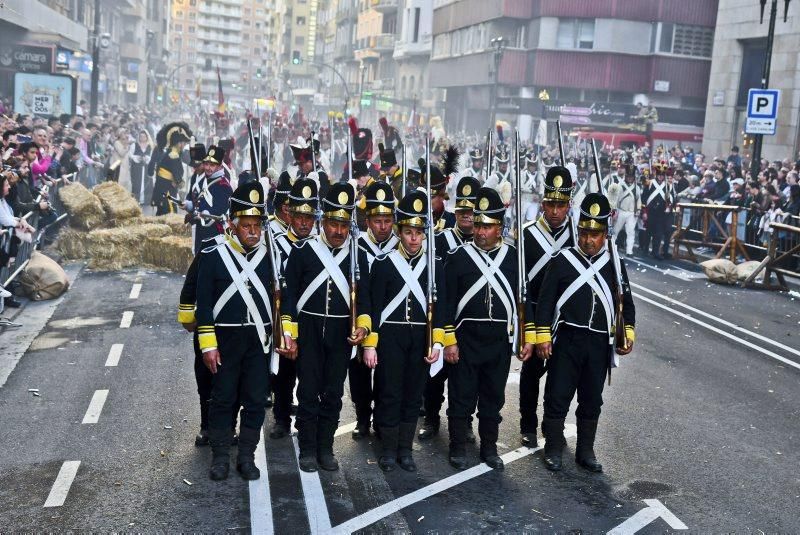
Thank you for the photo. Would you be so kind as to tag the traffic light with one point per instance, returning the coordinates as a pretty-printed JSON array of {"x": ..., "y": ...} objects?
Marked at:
[{"x": 296, "y": 57}]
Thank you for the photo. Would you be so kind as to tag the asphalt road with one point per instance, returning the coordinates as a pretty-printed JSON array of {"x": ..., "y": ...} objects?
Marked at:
[{"x": 704, "y": 421}]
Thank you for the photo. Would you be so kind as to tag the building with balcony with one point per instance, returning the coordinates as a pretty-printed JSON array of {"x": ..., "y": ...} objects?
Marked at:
[
  {"x": 144, "y": 24},
  {"x": 376, "y": 30},
  {"x": 737, "y": 65},
  {"x": 596, "y": 60}
]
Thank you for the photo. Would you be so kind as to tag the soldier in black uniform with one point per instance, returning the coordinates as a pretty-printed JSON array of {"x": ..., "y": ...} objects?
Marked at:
[
  {"x": 303, "y": 206},
  {"x": 658, "y": 198},
  {"x": 378, "y": 207},
  {"x": 398, "y": 346},
  {"x": 208, "y": 194},
  {"x": 318, "y": 300},
  {"x": 391, "y": 171},
  {"x": 480, "y": 277},
  {"x": 448, "y": 240},
  {"x": 306, "y": 164},
  {"x": 279, "y": 220},
  {"x": 169, "y": 171},
  {"x": 575, "y": 332},
  {"x": 553, "y": 231},
  {"x": 235, "y": 340},
  {"x": 440, "y": 175}
]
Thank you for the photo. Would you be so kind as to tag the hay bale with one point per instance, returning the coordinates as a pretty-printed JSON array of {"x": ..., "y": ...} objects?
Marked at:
[
  {"x": 72, "y": 243},
  {"x": 170, "y": 252},
  {"x": 175, "y": 222},
  {"x": 117, "y": 202},
  {"x": 85, "y": 210},
  {"x": 117, "y": 248}
]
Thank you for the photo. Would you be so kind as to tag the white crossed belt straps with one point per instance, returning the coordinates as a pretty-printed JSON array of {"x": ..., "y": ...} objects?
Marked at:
[
  {"x": 239, "y": 278},
  {"x": 548, "y": 245},
  {"x": 450, "y": 239},
  {"x": 658, "y": 189},
  {"x": 491, "y": 274},
  {"x": 587, "y": 275},
  {"x": 412, "y": 284},
  {"x": 332, "y": 270}
]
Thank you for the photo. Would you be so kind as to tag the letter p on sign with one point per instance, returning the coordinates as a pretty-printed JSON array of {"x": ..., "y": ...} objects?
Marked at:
[{"x": 763, "y": 103}]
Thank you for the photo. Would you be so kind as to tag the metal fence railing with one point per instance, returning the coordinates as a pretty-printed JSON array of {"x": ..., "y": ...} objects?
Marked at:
[{"x": 44, "y": 223}]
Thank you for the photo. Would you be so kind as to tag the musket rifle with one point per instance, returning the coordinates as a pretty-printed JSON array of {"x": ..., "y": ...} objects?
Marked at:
[
  {"x": 522, "y": 279},
  {"x": 403, "y": 169},
  {"x": 205, "y": 218},
  {"x": 430, "y": 249},
  {"x": 620, "y": 340},
  {"x": 561, "y": 144},
  {"x": 313, "y": 153},
  {"x": 355, "y": 272}
]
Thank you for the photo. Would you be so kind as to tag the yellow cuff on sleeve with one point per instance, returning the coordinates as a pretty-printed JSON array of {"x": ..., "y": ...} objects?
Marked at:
[
  {"x": 289, "y": 327},
  {"x": 530, "y": 337},
  {"x": 186, "y": 314},
  {"x": 207, "y": 340},
  {"x": 438, "y": 336},
  {"x": 370, "y": 341},
  {"x": 449, "y": 336},
  {"x": 365, "y": 321},
  {"x": 629, "y": 333},
  {"x": 543, "y": 335}
]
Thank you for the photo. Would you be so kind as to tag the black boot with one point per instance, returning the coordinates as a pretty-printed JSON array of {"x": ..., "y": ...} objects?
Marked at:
[
  {"x": 307, "y": 443},
  {"x": 245, "y": 457},
  {"x": 488, "y": 432},
  {"x": 202, "y": 437},
  {"x": 361, "y": 430},
  {"x": 470, "y": 433},
  {"x": 220, "y": 440},
  {"x": 325, "y": 459},
  {"x": 528, "y": 427},
  {"x": 554, "y": 443},
  {"x": 584, "y": 450},
  {"x": 389, "y": 440},
  {"x": 430, "y": 427},
  {"x": 404, "y": 445},
  {"x": 458, "y": 442},
  {"x": 280, "y": 430}
]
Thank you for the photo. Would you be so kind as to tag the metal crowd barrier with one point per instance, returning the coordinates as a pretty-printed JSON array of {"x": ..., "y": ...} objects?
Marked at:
[
  {"x": 25, "y": 249},
  {"x": 708, "y": 225}
]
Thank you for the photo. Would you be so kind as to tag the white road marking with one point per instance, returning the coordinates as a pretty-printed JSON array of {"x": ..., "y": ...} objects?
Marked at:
[
  {"x": 127, "y": 318},
  {"x": 64, "y": 479},
  {"x": 343, "y": 430},
  {"x": 374, "y": 515},
  {"x": 655, "y": 509},
  {"x": 260, "y": 498},
  {"x": 135, "y": 290},
  {"x": 720, "y": 331},
  {"x": 513, "y": 378},
  {"x": 92, "y": 415},
  {"x": 319, "y": 519},
  {"x": 719, "y": 320},
  {"x": 114, "y": 354}
]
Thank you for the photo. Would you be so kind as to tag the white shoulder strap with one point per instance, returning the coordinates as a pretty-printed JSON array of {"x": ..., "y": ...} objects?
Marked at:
[{"x": 412, "y": 284}]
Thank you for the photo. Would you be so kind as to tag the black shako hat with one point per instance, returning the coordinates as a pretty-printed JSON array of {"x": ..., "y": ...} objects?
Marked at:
[
  {"x": 339, "y": 202},
  {"x": 489, "y": 208},
  {"x": 248, "y": 199},
  {"x": 595, "y": 211}
]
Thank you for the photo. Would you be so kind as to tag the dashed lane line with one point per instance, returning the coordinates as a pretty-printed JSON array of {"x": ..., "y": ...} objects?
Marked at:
[
  {"x": 92, "y": 415},
  {"x": 319, "y": 519},
  {"x": 60, "y": 490},
  {"x": 260, "y": 498},
  {"x": 718, "y": 320},
  {"x": 127, "y": 318},
  {"x": 114, "y": 354},
  {"x": 374, "y": 515},
  {"x": 135, "y": 290},
  {"x": 720, "y": 332}
]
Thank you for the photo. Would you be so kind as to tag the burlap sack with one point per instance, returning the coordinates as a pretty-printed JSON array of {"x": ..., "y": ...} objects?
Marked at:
[
  {"x": 720, "y": 270},
  {"x": 43, "y": 278},
  {"x": 745, "y": 269}
]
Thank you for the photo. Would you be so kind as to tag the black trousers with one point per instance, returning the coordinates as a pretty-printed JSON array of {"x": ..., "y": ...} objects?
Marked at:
[
  {"x": 579, "y": 362},
  {"x": 244, "y": 374},
  {"x": 433, "y": 394},
  {"x": 529, "y": 378},
  {"x": 659, "y": 226},
  {"x": 400, "y": 374},
  {"x": 322, "y": 362},
  {"x": 481, "y": 373},
  {"x": 204, "y": 379},
  {"x": 282, "y": 386},
  {"x": 361, "y": 390}
]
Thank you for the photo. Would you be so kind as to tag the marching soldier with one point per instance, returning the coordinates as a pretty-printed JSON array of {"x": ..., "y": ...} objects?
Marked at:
[
  {"x": 440, "y": 175},
  {"x": 398, "y": 347},
  {"x": 500, "y": 179},
  {"x": 553, "y": 231},
  {"x": 476, "y": 169},
  {"x": 447, "y": 241},
  {"x": 169, "y": 171},
  {"x": 479, "y": 277},
  {"x": 628, "y": 203},
  {"x": 308, "y": 164},
  {"x": 575, "y": 319},
  {"x": 303, "y": 205},
  {"x": 378, "y": 201},
  {"x": 279, "y": 221},
  {"x": 391, "y": 171},
  {"x": 209, "y": 194},
  {"x": 318, "y": 302},
  {"x": 658, "y": 197},
  {"x": 234, "y": 330}
]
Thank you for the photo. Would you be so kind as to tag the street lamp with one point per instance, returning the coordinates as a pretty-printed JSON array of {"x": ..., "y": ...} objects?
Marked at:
[
  {"x": 755, "y": 164},
  {"x": 498, "y": 44}
]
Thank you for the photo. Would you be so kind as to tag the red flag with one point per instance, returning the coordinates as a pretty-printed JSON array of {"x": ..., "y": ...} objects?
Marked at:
[{"x": 220, "y": 96}]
